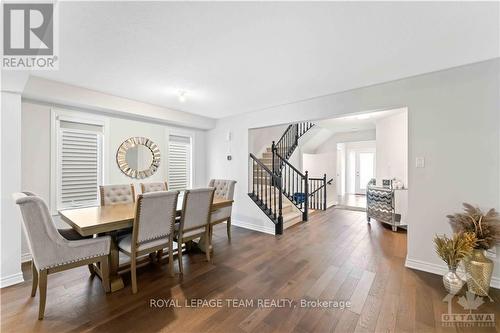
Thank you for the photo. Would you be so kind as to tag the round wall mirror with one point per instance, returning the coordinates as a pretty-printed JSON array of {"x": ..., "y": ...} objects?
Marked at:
[{"x": 138, "y": 157}]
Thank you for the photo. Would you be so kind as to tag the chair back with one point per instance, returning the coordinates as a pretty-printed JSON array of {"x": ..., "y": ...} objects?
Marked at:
[
  {"x": 154, "y": 187},
  {"x": 117, "y": 194},
  {"x": 43, "y": 238},
  {"x": 154, "y": 216},
  {"x": 196, "y": 208},
  {"x": 224, "y": 189}
]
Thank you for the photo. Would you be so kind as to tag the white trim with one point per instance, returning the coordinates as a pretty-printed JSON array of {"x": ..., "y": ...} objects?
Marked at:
[
  {"x": 11, "y": 280},
  {"x": 25, "y": 257},
  {"x": 58, "y": 114},
  {"x": 439, "y": 269},
  {"x": 186, "y": 133},
  {"x": 246, "y": 225}
]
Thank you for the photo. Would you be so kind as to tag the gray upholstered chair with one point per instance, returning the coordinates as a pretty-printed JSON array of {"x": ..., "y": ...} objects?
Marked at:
[
  {"x": 117, "y": 194},
  {"x": 153, "y": 229},
  {"x": 52, "y": 252},
  {"x": 223, "y": 189},
  {"x": 195, "y": 220},
  {"x": 154, "y": 187}
]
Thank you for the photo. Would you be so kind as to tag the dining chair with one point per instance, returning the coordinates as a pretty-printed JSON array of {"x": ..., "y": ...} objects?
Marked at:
[
  {"x": 154, "y": 187},
  {"x": 53, "y": 253},
  {"x": 152, "y": 229},
  {"x": 117, "y": 194},
  {"x": 195, "y": 220},
  {"x": 224, "y": 189}
]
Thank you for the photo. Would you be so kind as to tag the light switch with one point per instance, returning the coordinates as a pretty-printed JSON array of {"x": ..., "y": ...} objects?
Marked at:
[{"x": 420, "y": 162}]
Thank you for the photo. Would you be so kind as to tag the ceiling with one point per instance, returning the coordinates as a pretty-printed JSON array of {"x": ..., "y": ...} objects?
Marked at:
[
  {"x": 354, "y": 123},
  {"x": 235, "y": 57}
]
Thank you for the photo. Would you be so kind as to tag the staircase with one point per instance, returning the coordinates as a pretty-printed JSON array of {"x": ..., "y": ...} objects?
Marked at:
[{"x": 279, "y": 189}]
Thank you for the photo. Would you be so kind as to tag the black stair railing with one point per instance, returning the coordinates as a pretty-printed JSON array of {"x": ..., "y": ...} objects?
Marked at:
[
  {"x": 265, "y": 192},
  {"x": 286, "y": 145},
  {"x": 294, "y": 184},
  {"x": 317, "y": 196},
  {"x": 269, "y": 184}
]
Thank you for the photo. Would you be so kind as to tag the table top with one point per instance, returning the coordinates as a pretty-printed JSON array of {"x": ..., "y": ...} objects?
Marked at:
[{"x": 94, "y": 220}]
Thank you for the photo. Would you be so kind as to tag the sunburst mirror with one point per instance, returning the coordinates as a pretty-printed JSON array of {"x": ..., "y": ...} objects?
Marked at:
[{"x": 138, "y": 157}]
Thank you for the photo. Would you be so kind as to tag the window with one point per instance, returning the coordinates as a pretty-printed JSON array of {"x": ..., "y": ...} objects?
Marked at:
[
  {"x": 79, "y": 163},
  {"x": 179, "y": 162}
]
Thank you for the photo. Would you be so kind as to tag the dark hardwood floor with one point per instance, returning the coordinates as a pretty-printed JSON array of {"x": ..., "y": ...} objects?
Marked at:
[{"x": 334, "y": 256}]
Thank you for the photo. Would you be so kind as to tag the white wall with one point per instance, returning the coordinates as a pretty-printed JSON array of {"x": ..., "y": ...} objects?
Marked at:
[
  {"x": 36, "y": 148},
  {"x": 262, "y": 138},
  {"x": 319, "y": 164},
  {"x": 453, "y": 122},
  {"x": 10, "y": 179},
  {"x": 392, "y": 147}
]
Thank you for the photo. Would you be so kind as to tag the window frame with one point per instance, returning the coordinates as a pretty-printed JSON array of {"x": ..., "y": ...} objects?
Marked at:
[
  {"x": 58, "y": 115},
  {"x": 191, "y": 136}
]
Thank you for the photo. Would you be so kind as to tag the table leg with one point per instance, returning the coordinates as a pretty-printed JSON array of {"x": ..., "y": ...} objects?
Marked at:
[
  {"x": 114, "y": 263},
  {"x": 201, "y": 241}
]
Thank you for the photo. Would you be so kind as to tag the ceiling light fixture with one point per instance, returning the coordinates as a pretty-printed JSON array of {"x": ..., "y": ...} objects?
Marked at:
[{"x": 182, "y": 96}]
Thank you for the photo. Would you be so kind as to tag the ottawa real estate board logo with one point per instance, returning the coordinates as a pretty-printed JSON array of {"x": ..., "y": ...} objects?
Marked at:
[{"x": 29, "y": 36}]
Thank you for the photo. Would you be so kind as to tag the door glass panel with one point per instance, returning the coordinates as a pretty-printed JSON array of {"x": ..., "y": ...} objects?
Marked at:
[{"x": 366, "y": 167}]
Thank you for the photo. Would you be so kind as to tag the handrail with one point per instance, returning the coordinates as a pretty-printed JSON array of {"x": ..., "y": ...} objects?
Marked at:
[
  {"x": 261, "y": 164},
  {"x": 290, "y": 165},
  {"x": 268, "y": 198},
  {"x": 319, "y": 188},
  {"x": 284, "y": 134}
]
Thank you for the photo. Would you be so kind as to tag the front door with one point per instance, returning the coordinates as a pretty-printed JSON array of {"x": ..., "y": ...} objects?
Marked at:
[{"x": 364, "y": 170}]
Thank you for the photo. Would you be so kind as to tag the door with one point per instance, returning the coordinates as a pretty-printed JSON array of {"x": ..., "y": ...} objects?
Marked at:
[{"x": 364, "y": 171}]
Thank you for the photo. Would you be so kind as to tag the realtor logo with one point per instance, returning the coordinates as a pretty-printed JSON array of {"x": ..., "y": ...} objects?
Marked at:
[{"x": 28, "y": 36}]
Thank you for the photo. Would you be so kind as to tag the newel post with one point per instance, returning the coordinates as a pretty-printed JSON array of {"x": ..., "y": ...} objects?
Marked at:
[{"x": 306, "y": 197}]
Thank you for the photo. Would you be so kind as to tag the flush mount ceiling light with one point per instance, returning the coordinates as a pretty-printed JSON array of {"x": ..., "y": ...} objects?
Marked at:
[{"x": 182, "y": 96}]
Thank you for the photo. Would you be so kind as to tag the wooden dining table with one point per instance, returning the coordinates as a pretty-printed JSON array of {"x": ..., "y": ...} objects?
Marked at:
[{"x": 109, "y": 220}]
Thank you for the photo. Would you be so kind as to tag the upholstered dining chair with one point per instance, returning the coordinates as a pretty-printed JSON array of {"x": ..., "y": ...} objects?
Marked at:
[
  {"x": 52, "y": 252},
  {"x": 154, "y": 187},
  {"x": 195, "y": 220},
  {"x": 117, "y": 194},
  {"x": 223, "y": 189},
  {"x": 152, "y": 230}
]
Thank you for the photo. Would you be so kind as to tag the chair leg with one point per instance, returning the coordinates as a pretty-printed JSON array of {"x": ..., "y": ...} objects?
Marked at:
[
  {"x": 105, "y": 274},
  {"x": 152, "y": 257},
  {"x": 133, "y": 273},
  {"x": 91, "y": 269},
  {"x": 34, "y": 284},
  {"x": 207, "y": 243},
  {"x": 159, "y": 255},
  {"x": 171, "y": 256},
  {"x": 42, "y": 284},
  {"x": 179, "y": 256},
  {"x": 228, "y": 225}
]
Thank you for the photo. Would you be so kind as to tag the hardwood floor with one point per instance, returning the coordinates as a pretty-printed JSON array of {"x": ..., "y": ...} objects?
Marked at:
[{"x": 334, "y": 256}]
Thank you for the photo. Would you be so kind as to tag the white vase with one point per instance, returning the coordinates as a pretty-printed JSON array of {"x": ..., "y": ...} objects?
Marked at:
[{"x": 452, "y": 282}]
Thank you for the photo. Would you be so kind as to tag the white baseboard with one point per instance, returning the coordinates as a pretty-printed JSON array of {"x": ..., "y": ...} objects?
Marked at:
[
  {"x": 265, "y": 229},
  {"x": 25, "y": 257},
  {"x": 439, "y": 269},
  {"x": 11, "y": 280}
]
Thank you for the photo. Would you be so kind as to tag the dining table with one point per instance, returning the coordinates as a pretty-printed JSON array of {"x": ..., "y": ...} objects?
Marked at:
[{"x": 109, "y": 220}]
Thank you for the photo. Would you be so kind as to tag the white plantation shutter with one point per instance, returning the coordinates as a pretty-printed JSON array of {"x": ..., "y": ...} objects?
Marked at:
[
  {"x": 79, "y": 163},
  {"x": 179, "y": 162}
]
